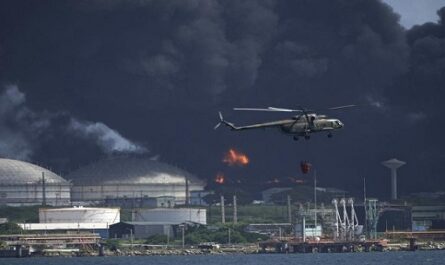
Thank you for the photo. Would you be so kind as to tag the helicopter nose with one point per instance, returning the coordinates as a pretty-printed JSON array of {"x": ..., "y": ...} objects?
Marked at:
[{"x": 340, "y": 124}]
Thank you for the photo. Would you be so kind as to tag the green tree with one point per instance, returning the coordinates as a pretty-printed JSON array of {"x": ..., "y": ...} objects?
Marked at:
[{"x": 10, "y": 228}]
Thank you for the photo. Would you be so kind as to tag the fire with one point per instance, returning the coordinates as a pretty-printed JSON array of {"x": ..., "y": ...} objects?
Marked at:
[
  {"x": 233, "y": 157},
  {"x": 220, "y": 178}
]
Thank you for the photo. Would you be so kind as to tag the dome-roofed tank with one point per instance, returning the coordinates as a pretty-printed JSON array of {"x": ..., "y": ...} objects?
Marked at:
[
  {"x": 21, "y": 183},
  {"x": 132, "y": 170},
  {"x": 20, "y": 172},
  {"x": 131, "y": 177}
]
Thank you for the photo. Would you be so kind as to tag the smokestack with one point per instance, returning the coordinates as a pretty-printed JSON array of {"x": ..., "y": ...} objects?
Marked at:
[
  {"x": 43, "y": 189},
  {"x": 223, "y": 214},
  {"x": 393, "y": 165},
  {"x": 235, "y": 210}
]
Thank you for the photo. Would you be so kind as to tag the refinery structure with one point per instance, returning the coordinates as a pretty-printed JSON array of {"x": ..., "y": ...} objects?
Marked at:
[
  {"x": 116, "y": 179},
  {"x": 159, "y": 199}
]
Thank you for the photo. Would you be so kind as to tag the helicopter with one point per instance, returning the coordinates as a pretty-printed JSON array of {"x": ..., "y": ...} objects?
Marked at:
[{"x": 303, "y": 124}]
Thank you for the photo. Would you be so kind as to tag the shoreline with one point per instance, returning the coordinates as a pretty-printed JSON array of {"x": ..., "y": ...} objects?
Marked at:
[{"x": 233, "y": 250}]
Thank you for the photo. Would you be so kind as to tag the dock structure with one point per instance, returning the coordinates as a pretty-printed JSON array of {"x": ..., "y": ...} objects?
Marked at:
[
  {"x": 51, "y": 239},
  {"x": 323, "y": 246},
  {"x": 20, "y": 244}
]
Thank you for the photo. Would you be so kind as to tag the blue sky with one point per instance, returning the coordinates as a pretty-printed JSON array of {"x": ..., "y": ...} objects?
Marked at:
[{"x": 416, "y": 11}]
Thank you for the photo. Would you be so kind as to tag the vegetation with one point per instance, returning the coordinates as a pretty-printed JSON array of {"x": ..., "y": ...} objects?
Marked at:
[
  {"x": 250, "y": 214},
  {"x": 221, "y": 235},
  {"x": 3, "y": 245},
  {"x": 157, "y": 240},
  {"x": 25, "y": 214},
  {"x": 113, "y": 244},
  {"x": 10, "y": 228}
]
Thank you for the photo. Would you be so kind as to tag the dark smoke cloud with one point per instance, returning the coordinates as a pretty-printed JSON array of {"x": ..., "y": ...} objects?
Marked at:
[
  {"x": 19, "y": 126},
  {"x": 158, "y": 71},
  {"x": 418, "y": 96}
]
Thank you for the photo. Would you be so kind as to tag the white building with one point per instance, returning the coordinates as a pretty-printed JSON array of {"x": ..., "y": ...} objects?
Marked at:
[{"x": 80, "y": 215}]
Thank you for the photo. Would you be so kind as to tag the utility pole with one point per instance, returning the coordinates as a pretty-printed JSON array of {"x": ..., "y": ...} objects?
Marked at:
[
  {"x": 315, "y": 198},
  {"x": 364, "y": 206},
  {"x": 289, "y": 210},
  {"x": 223, "y": 214},
  {"x": 168, "y": 236},
  {"x": 131, "y": 238},
  {"x": 187, "y": 192},
  {"x": 229, "y": 236},
  {"x": 43, "y": 189},
  {"x": 183, "y": 235},
  {"x": 235, "y": 211}
]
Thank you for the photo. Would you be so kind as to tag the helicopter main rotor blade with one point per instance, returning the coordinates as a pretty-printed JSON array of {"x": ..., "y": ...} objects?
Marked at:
[
  {"x": 343, "y": 107},
  {"x": 252, "y": 109},
  {"x": 284, "y": 110},
  {"x": 271, "y": 109}
]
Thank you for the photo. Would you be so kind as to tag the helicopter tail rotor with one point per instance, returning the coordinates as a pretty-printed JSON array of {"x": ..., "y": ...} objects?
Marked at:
[{"x": 222, "y": 121}]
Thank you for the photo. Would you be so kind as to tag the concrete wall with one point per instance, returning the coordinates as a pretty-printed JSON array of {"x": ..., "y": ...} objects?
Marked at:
[{"x": 31, "y": 194}]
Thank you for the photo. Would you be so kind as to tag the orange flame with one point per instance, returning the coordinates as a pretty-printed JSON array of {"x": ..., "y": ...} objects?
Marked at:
[
  {"x": 233, "y": 157},
  {"x": 220, "y": 178}
]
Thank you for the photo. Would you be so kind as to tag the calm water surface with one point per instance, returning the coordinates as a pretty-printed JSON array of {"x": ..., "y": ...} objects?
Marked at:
[{"x": 373, "y": 258}]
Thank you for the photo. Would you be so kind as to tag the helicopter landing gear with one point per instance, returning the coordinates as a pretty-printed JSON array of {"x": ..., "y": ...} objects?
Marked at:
[
  {"x": 330, "y": 135},
  {"x": 295, "y": 138}
]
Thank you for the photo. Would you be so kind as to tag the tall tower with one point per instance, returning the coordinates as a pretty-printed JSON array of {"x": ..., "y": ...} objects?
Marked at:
[{"x": 393, "y": 164}]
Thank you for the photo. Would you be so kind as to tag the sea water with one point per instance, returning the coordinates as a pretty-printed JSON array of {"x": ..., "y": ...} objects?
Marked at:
[{"x": 368, "y": 258}]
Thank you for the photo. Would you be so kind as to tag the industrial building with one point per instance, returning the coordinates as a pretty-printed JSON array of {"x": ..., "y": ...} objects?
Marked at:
[
  {"x": 75, "y": 219},
  {"x": 132, "y": 177},
  {"x": 171, "y": 216},
  {"x": 428, "y": 217},
  {"x": 144, "y": 202},
  {"x": 141, "y": 230},
  {"x": 80, "y": 215},
  {"x": 23, "y": 183},
  {"x": 160, "y": 221},
  {"x": 69, "y": 228}
]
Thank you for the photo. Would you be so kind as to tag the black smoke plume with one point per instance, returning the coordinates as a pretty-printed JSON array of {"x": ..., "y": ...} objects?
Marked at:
[{"x": 158, "y": 72}]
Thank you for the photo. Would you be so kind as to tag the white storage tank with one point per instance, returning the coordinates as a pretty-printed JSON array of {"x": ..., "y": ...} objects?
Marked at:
[
  {"x": 23, "y": 183},
  {"x": 80, "y": 215},
  {"x": 171, "y": 216},
  {"x": 131, "y": 178}
]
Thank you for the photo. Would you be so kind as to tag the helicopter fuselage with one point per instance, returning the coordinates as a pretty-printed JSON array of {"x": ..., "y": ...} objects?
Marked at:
[{"x": 302, "y": 127}]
